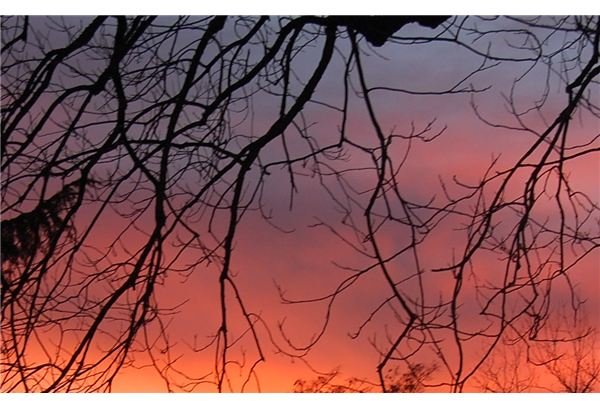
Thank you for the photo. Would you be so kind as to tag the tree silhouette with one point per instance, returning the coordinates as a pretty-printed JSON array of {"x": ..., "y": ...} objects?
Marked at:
[
  {"x": 324, "y": 384},
  {"x": 570, "y": 354},
  {"x": 566, "y": 349},
  {"x": 412, "y": 380},
  {"x": 507, "y": 370},
  {"x": 134, "y": 148}
]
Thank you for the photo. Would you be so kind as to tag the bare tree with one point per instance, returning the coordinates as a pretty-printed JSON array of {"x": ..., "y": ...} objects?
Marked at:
[
  {"x": 152, "y": 122},
  {"x": 563, "y": 358},
  {"x": 507, "y": 370},
  {"x": 325, "y": 384},
  {"x": 569, "y": 353},
  {"x": 412, "y": 380}
]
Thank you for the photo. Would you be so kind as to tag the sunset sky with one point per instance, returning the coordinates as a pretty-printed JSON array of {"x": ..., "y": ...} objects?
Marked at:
[{"x": 301, "y": 241}]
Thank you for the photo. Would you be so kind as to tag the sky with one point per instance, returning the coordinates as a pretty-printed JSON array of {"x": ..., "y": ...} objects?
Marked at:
[{"x": 296, "y": 254}]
